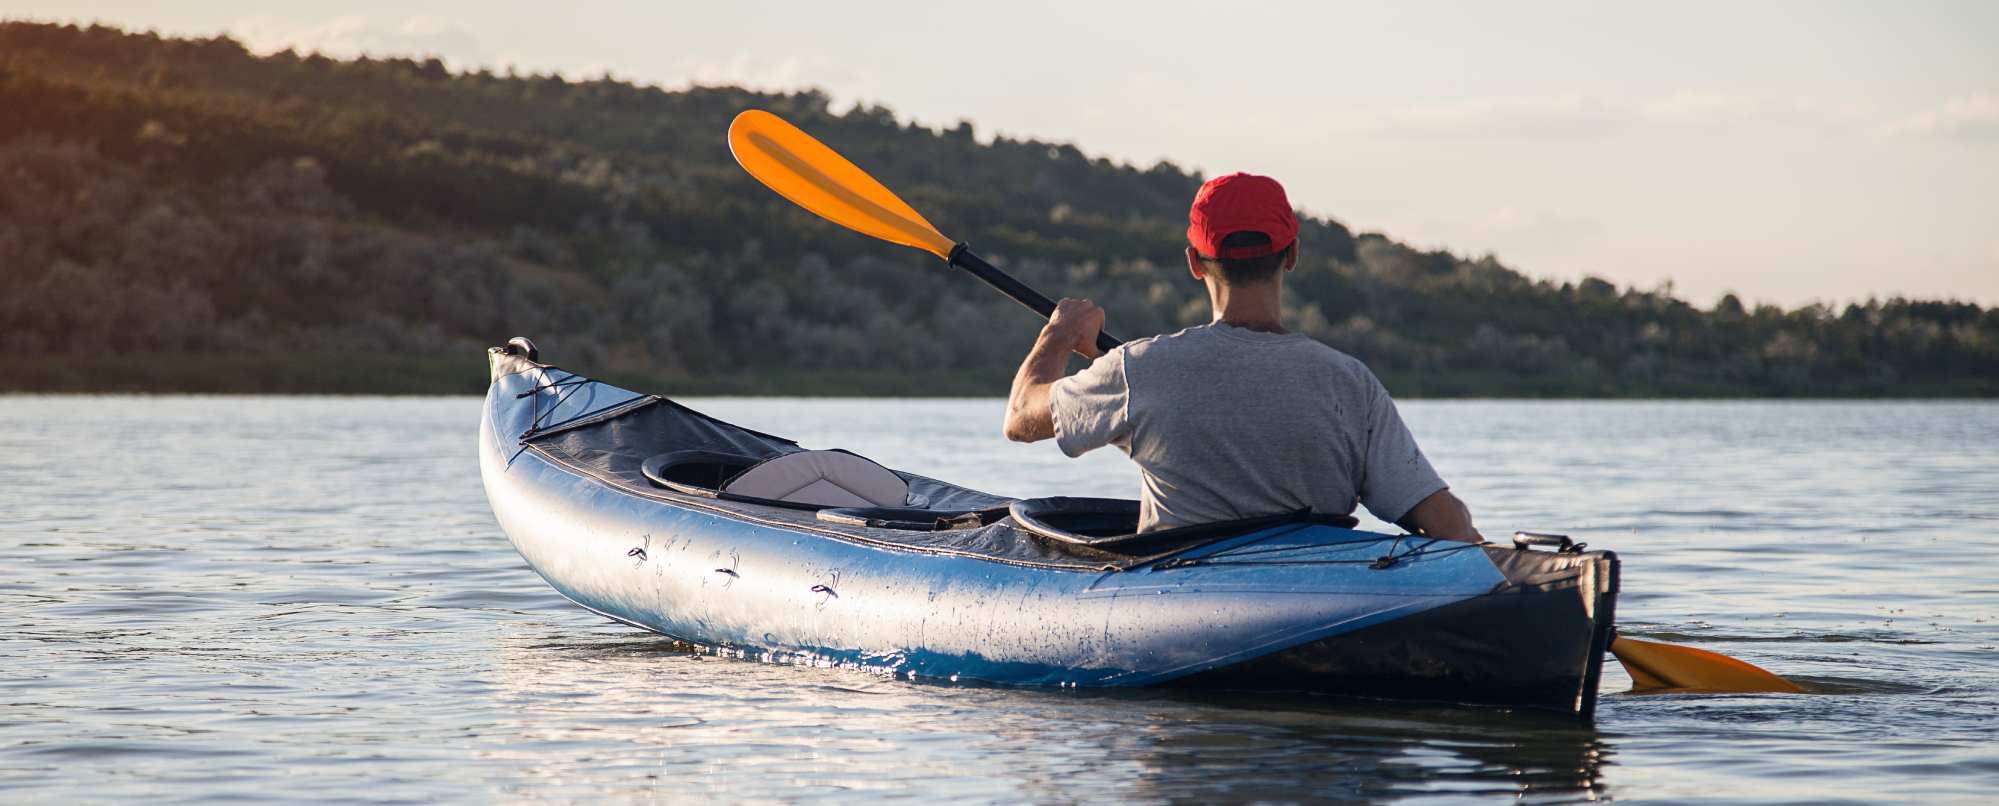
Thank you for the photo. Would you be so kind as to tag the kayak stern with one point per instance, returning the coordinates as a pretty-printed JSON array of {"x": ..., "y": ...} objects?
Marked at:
[{"x": 1556, "y": 613}]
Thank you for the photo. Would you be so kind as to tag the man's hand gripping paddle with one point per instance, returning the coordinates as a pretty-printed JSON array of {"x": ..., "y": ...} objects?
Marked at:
[{"x": 818, "y": 179}]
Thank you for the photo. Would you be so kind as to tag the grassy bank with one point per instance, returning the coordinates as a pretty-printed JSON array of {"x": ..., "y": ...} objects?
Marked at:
[{"x": 402, "y": 375}]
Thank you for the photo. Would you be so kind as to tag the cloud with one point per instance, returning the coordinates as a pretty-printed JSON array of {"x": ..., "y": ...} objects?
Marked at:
[
  {"x": 1535, "y": 233},
  {"x": 1577, "y": 116},
  {"x": 849, "y": 85},
  {"x": 1969, "y": 117},
  {"x": 1833, "y": 111},
  {"x": 1514, "y": 220},
  {"x": 1557, "y": 116},
  {"x": 346, "y": 37},
  {"x": 746, "y": 71},
  {"x": 425, "y": 36},
  {"x": 1698, "y": 108}
]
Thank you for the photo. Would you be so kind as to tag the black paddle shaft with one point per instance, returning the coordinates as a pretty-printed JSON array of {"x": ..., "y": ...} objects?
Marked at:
[{"x": 962, "y": 257}]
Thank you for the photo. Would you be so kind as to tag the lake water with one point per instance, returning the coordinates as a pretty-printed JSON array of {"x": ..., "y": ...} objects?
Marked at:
[{"x": 307, "y": 598}]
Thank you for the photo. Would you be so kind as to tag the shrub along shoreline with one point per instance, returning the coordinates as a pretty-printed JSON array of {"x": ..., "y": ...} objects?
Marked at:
[{"x": 339, "y": 374}]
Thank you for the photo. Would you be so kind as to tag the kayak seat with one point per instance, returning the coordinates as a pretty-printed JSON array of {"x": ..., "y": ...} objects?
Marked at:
[{"x": 822, "y": 478}]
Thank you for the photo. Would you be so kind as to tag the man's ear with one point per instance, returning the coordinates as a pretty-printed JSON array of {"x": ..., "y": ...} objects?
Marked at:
[
  {"x": 1291, "y": 256},
  {"x": 1194, "y": 265}
]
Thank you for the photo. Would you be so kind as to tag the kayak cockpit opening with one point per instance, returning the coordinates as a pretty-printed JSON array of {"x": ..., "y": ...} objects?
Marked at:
[
  {"x": 695, "y": 472},
  {"x": 1111, "y": 524},
  {"x": 1077, "y": 520},
  {"x": 660, "y": 448},
  {"x": 803, "y": 479},
  {"x": 847, "y": 489}
]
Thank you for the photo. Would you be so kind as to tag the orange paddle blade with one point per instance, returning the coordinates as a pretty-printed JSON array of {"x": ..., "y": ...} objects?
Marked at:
[
  {"x": 1655, "y": 666},
  {"x": 817, "y": 178}
]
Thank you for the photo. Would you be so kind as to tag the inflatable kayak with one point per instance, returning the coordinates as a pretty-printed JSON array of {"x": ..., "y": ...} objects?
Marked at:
[{"x": 655, "y": 515}]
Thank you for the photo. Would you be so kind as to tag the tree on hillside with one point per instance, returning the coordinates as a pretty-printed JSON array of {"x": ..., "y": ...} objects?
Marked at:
[{"x": 184, "y": 196}]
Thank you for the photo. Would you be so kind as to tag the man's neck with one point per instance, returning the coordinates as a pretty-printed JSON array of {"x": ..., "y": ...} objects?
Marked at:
[{"x": 1258, "y": 307}]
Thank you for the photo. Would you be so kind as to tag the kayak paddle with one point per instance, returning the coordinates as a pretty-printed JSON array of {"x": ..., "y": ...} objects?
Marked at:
[
  {"x": 817, "y": 178},
  {"x": 1663, "y": 667}
]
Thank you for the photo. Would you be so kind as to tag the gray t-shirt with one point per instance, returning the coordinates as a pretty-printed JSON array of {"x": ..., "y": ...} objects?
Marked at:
[{"x": 1227, "y": 423}]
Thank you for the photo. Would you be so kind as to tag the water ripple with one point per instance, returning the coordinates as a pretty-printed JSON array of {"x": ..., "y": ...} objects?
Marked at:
[{"x": 306, "y": 599}]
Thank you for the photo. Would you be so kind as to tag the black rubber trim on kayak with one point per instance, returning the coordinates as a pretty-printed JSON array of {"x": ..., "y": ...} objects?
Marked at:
[
  {"x": 914, "y": 519},
  {"x": 1112, "y": 523}
]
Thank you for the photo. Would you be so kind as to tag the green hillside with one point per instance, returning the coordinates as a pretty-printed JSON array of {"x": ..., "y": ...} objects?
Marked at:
[{"x": 180, "y": 215}]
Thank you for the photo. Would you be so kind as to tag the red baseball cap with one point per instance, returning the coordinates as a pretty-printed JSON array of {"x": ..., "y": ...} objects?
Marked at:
[{"x": 1236, "y": 203}]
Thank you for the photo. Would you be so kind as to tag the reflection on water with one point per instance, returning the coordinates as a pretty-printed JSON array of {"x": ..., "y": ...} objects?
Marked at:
[
  {"x": 653, "y": 699},
  {"x": 215, "y": 598}
]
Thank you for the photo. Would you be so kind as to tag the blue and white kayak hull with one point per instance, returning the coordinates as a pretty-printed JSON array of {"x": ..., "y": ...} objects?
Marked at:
[{"x": 1291, "y": 605}]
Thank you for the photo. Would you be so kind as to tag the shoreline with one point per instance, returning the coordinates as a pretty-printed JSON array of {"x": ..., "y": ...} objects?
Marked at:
[{"x": 407, "y": 376}]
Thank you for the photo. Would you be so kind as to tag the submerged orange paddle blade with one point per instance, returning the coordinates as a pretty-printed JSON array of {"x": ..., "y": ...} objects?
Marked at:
[
  {"x": 1655, "y": 666},
  {"x": 817, "y": 178}
]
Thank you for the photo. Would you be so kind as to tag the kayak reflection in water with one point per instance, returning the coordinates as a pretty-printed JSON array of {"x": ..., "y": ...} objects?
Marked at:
[{"x": 1236, "y": 418}]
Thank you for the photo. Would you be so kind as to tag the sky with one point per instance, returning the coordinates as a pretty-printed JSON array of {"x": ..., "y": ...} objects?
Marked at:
[{"x": 1789, "y": 152}]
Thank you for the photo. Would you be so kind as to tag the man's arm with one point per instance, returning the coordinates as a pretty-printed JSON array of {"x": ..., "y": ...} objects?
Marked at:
[
  {"x": 1073, "y": 327},
  {"x": 1441, "y": 515}
]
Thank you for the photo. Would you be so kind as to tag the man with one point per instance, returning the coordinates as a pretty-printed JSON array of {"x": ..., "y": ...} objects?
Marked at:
[{"x": 1236, "y": 418}]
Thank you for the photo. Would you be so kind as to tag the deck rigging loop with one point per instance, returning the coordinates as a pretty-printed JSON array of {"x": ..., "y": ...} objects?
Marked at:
[
  {"x": 568, "y": 386},
  {"x": 1388, "y": 560}
]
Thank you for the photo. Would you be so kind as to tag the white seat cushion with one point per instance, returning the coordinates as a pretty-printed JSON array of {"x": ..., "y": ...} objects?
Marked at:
[{"x": 822, "y": 478}]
